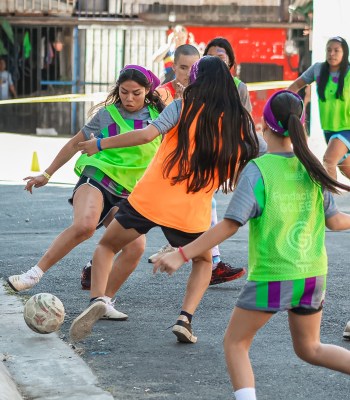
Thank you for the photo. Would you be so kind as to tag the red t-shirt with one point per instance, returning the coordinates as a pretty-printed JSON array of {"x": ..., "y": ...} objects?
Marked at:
[{"x": 167, "y": 92}]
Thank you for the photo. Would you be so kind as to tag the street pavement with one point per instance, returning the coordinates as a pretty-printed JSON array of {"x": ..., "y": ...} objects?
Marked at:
[{"x": 139, "y": 358}]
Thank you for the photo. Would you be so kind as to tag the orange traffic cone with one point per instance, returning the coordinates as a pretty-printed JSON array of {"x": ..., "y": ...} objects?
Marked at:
[{"x": 35, "y": 163}]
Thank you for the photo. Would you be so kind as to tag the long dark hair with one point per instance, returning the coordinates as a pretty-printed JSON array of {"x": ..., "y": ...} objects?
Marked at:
[
  {"x": 287, "y": 109},
  {"x": 151, "y": 98},
  {"x": 343, "y": 68},
  {"x": 225, "y": 138},
  {"x": 224, "y": 44}
]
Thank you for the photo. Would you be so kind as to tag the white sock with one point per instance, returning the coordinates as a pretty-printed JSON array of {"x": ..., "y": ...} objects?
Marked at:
[
  {"x": 37, "y": 271},
  {"x": 245, "y": 394},
  {"x": 107, "y": 299}
]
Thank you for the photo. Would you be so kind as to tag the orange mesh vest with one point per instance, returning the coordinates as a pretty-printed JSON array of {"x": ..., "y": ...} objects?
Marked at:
[{"x": 170, "y": 205}]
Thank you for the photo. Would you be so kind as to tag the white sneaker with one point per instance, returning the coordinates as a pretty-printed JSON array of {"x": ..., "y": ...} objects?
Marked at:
[
  {"x": 24, "y": 281},
  {"x": 113, "y": 314},
  {"x": 83, "y": 324},
  {"x": 167, "y": 248},
  {"x": 346, "y": 333}
]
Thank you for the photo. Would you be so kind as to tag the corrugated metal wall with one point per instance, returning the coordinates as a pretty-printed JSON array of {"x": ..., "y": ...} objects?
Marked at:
[{"x": 104, "y": 50}]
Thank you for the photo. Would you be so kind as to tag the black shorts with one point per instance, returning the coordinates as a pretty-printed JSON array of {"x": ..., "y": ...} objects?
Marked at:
[
  {"x": 109, "y": 200},
  {"x": 301, "y": 310},
  {"x": 129, "y": 218}
]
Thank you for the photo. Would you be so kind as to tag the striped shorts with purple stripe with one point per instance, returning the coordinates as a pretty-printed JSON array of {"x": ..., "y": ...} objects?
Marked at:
[{"x": 308, "y": 293}]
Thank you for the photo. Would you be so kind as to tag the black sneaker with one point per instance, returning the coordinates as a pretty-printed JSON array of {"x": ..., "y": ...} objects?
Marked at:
[
  {"x": 183, "y": 331},
  {"x": 85, "y": 277},
  {"x": 224, "y": 272}
]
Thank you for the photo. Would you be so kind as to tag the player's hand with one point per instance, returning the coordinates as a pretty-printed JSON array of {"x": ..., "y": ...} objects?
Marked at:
[
  {"x": 179, "y": 91},
  {"x": 168, "y": 263},
  {"x": 89, "y": 147},
  {"x": 35, "y": 181}
]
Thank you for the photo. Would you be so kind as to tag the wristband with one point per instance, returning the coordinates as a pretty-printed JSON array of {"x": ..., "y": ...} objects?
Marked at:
[
  {"x": 181, "y": 251},
  {"x": 98, "y": 144},
  {"x": 46, "y": 175}
]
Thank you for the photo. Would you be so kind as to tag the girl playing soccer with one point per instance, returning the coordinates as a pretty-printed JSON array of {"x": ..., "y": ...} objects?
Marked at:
[
  {"x": 106, "y": 178},
  {"x": 204, "y": 147},
  {"x": 333, "y": 82},
  {"x": 286, "y": 198}
]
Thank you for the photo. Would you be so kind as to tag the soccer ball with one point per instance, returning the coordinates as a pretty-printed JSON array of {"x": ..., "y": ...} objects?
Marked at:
[{"x": 44, "y": 313}]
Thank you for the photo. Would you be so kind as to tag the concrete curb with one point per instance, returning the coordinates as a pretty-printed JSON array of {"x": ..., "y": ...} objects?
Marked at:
[
  {"x": 43, "y": 367},
  {"x": 8, "y": 387}
]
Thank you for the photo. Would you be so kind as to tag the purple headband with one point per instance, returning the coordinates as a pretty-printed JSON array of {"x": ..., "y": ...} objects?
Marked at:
[
  {"x": 270, "y": 119},
  {"x": 151, "y": 78},
  {"x": 194, "y": 69}
]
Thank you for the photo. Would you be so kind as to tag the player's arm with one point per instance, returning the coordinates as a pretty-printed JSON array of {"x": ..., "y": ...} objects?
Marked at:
[
  {"x": 62, "y": 157},
  {"x": 338, "y": 222},
  {"x": 129, "y": 139},
  {"x": 171, "y": 262},
  {"x": 297, "y": 85}
]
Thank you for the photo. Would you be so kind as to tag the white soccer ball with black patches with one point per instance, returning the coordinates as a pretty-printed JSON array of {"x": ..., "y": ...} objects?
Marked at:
[{"x": 44, "y": 313}]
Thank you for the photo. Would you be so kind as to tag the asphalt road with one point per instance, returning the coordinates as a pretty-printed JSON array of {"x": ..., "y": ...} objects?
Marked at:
[{"x": 139, "y": 358}]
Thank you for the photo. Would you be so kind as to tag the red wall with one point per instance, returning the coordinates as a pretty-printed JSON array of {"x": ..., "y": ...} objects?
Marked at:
[{"x": 253, "y": 45}]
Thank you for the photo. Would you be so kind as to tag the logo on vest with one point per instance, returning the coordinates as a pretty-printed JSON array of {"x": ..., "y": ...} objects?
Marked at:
[{"x": 299, "y": 238}]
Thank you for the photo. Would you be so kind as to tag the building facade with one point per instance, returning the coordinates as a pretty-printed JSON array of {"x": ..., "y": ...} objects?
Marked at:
[{"x": 68, "y": 46}]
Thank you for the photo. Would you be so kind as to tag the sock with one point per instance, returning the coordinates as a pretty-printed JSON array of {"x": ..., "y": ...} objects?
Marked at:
[
  {"x": 245, "y": 394},
  {"x": 216, "y": 259},
  {"x": 186, "y": 314},
  {"x": 107, "y": 299},
  {"x": 37, "y": 271}
]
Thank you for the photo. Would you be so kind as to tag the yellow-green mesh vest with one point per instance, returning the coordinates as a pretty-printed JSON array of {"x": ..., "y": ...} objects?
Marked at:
[
  {"x": 287, "y": 241},
  {"x": 123, "y": 165},
  {"x": 335, "y": 113}
]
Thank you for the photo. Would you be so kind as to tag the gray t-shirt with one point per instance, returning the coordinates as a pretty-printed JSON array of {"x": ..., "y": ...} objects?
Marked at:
[
  {"x": 244, "y": 205},
  {"x": 102, "y": 119},
  {"x": 244, "y": 96},
  {"x": 311, "y": 74},
  {"x": 170, "y": 116}
]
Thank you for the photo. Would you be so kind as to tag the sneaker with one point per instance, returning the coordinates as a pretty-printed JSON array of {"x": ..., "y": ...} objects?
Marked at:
[
  {"x": 24, "y": 281},
  {"x": 346, "y": 333},
  {"x": 167, "y": 248},
  {"x": 83, "y": 324},
  {"x": 183, "y": 331},
  {"x": 85, "y": 277},
  {"x": 112, "y": 314},
  {"x": 225, "y": 273}
]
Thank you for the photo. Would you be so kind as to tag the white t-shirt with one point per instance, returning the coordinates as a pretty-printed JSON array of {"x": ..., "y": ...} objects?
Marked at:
[{"x": 5, "y": 83}]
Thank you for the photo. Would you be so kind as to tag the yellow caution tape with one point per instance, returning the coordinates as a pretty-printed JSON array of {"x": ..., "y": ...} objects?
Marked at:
[
  {"x": 100, "y": 96},
  {"x": 64, "y": 98},
  {"x": 268, "y": 85}
]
